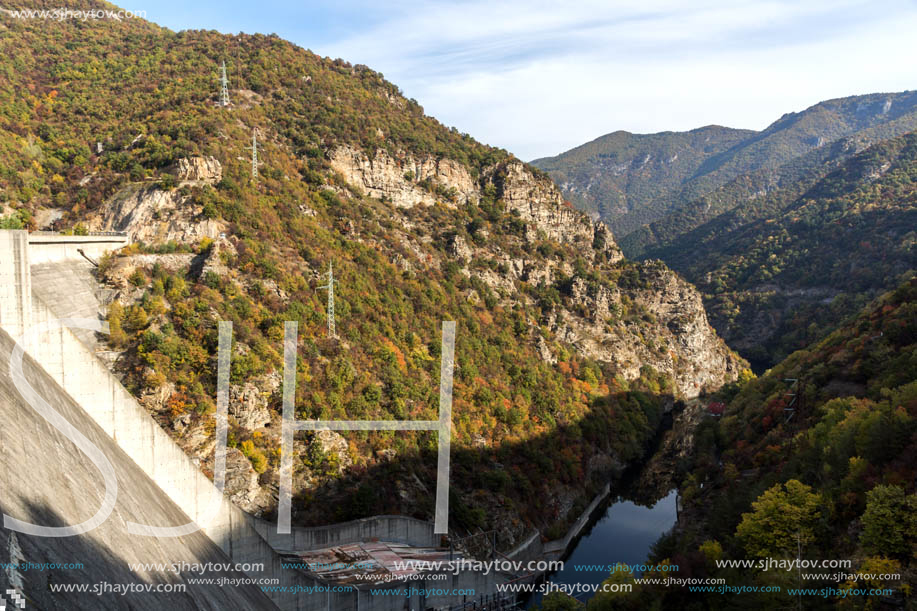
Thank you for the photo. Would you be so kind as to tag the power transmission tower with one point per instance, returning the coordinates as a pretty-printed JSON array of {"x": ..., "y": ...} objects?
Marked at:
[
  {"x": 332, "y": 333},
  {"x": 792, "y": 392},
  {"x": 254, "y": 148},
  {"x": 224, "y": 86}
]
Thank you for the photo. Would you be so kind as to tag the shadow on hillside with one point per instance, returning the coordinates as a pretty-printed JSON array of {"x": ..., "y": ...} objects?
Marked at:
[{"x": 533, "y": 480}]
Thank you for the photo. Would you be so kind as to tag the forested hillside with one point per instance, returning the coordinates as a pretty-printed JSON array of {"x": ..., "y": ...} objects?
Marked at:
[
  {"x": 837, "y": 472},
  {"x": 783, "y": 270},
  {"x": 566, "y": 357}
]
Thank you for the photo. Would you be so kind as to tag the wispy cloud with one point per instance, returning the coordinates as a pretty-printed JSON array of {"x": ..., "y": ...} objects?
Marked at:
[
  {"x": 538, "y": 77},
  {"x": 541, "y": 77}
]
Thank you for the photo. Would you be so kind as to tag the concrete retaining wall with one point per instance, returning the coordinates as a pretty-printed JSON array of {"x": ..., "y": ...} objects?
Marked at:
[
  {"x": 15, "y": 283},
  {"x": 51, "y": 247},
  {"x": 530, "y": 549},
  {"x": 534, "y": 548},
  {"x": 558, "y": 547}
]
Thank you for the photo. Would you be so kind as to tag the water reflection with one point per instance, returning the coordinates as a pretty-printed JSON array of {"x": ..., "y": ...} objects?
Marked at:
[{"x": 624, "y": 534}]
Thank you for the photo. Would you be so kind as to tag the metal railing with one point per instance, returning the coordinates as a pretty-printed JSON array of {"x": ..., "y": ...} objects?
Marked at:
[
  {"x": 504, "y": 601},
  {"x": 119, "y": 234}
]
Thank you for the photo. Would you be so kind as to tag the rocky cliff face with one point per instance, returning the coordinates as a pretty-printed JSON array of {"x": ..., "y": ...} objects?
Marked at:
[
  {"x": 682, "y": 343},
  {"x": 153, "y": 215},
  {"x": 404, "y": 180},
  {"x": 407, "y": 181},
  {"x": 660, "y": 323},
  {"x": 198, "y": 169},
  {"x": 538, "y": 201}
]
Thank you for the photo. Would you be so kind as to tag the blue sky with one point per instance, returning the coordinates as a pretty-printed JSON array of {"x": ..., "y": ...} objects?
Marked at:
[{"x": 538, "y": 78}]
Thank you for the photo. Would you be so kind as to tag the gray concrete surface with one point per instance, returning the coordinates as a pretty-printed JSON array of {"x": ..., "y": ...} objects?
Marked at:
[
  {"x": 15, "y": 282},
  {"x": 46, "y": 480},
  {"x": 72, "y": 288},
  {"x": 47, "y": 247}
]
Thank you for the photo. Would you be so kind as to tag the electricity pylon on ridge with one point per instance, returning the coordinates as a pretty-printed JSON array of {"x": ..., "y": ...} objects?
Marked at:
[
  {"x": 254, "y": 148},
  {"x": 332, "y": 332},
  {"x": 224, "y": 86}
]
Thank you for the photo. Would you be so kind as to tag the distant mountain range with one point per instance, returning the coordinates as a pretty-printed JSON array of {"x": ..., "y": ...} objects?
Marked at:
[
  {"x": 629, "y": 180},
  {"x": 622, "y": 177},
  {"x": 784, "y": 269},
  {"x": 785, "y": 231}
]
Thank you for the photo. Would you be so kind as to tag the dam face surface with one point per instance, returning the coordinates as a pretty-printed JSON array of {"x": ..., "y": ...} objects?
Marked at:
[{"x": 47, "y": 481}]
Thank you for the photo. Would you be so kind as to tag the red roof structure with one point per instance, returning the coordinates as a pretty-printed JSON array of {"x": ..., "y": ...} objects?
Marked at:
[{"x": 717, "y": 408}]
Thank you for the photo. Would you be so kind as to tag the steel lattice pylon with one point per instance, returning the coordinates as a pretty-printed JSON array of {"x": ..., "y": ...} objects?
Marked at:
[
  {"x": 254, "y": 148},
  {"x": 332, "y": 332},
  {"x": 224, "y": 86}
]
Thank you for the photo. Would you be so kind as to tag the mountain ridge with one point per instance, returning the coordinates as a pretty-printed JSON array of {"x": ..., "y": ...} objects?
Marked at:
[{"x": 790, "y": 136}]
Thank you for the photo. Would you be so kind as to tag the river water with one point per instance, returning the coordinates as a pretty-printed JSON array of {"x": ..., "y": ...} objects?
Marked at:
[{"x": 623, "y": 535}]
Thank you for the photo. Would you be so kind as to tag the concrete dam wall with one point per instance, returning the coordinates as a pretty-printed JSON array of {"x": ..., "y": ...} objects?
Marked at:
[{"x": 47, "y": 481}]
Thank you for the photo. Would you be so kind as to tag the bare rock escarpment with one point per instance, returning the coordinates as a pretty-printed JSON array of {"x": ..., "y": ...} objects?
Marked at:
[
  {"x": 406, "y": 181},
  {"x": 681, "y": 343},
  {"x": 151, "y": 214},
  {"x": 672, "y": 334},
  {"x": 198, "y": 169}
]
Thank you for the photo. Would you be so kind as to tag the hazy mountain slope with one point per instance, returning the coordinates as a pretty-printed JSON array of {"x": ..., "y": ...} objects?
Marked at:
[
  {"x": 750, "y": 196},
  {"x": 615, "y": 177},
  {"x": 567, "y": 355},
  {"x": 754, "y": 163},
  {"x": 785, "y": 269}
]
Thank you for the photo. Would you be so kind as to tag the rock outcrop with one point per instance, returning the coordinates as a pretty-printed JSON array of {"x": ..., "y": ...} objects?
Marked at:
[
  {"x": 538, "y": 202},
  {"x": 153, "y": 215},
  {"x": 123, "y": 267},
  {"x": 248, "y": 402},
  {"x": 405, "y": 180},
  {"x": 213, "y": 261},
  {"x": 198, "y": 169},
  {"x": 673, "y": 335},
  {"x": 243, "y": 485},
  {"x": 334, "y": 443},
  {"x": 459, "y": 248}
]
